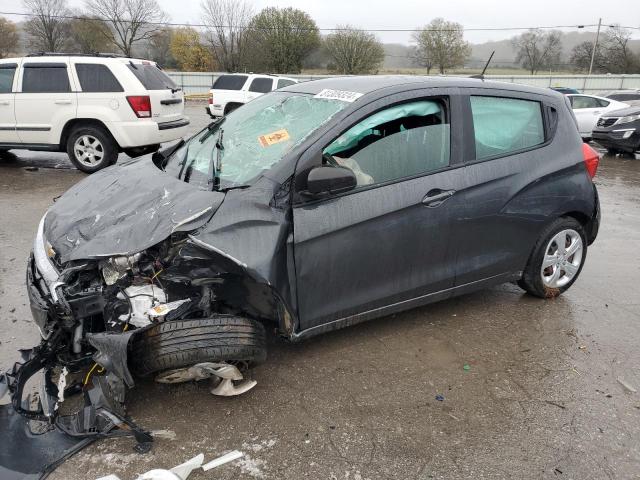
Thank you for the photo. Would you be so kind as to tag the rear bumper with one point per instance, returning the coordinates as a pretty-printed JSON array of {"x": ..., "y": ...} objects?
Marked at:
[
  {"x": 215, "y": 111},
  {"x": 147, "y": 132}
]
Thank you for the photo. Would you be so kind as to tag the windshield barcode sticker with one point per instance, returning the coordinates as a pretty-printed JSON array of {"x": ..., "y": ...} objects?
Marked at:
[{"x": 338, "y": 95}]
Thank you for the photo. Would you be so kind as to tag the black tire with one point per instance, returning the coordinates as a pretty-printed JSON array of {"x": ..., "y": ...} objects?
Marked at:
[
  {"x": 182, "y": 343},
  {"x": 586, "y": 139},
  {"x": 531, "y": 280},
  {"x": 613, "y": 151},
  {"x": 107, "y": 146}
]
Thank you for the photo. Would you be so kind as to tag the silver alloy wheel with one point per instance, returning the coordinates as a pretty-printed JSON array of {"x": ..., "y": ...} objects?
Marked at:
[
  {"x": 88, "y": 150},
  {"x": 562, "y": 259}
]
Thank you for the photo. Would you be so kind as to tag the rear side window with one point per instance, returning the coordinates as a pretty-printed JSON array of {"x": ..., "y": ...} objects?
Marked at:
[
  {"x": 262, "y": 85},
  {"x": 229, "y": 82},
  {"x": 151, "y": 77},
  {"x": 283, "y": 82},
  {"x": 45, "y": 79},
  {"x": 6, "y": 78},
  {"x": 580, "y": 102},
  {"x": 505, "y": 125},
  {"x": 97, "y": 78}
]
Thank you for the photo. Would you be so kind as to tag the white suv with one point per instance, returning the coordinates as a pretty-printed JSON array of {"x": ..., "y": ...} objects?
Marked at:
[
  {"x": 90, "y": 106},
  {"x": 232, "y": 90}
]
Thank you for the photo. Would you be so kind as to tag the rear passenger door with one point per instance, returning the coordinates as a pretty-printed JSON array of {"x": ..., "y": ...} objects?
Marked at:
[
  {"x": 45, "y": 101},
  {"x": 7, "y": 98},
  {"x": 98, "y": 89},
  {"x": 505, "y": 152},
  {"x": 587, "y": 110}
]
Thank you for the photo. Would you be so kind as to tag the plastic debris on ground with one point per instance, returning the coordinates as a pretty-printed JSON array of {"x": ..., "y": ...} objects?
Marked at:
[
  {"x": 466, "y": 367},
  {"x": 440, "y": 398},
  {"x": 181, "y": 472},
  {"x": 229, "y": 457},
  {"x": 626, "y": 385}
]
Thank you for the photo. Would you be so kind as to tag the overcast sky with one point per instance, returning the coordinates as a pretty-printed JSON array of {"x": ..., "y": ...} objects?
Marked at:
[{"x": 407, "y": 14}]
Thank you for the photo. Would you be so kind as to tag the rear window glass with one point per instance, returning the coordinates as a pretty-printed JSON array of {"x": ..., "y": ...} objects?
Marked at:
[
  {"x": 285, "y": 83},
  {"x": 97, "y": 78},
  {"x": 229, "y": 82},
  {"x": 45, "y": 79},
  {"x": 505, "y": 125},
  {"x": 262, "y": 85},
  {"x": 6, "y": 78},
  {"x": 151, "y": 77}
]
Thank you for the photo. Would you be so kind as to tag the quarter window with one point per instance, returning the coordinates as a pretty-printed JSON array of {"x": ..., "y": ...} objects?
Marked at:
[
  {"x": 283, "y": 82},
  {"x": 50, "y": 79},
  {"x": 402, "y": 141},
  {"x": 505, "y": 125},
  {"x": 261, "y": 85},
  {"x": 6, "y": 78},
  {"x": 95, "y": 77}
]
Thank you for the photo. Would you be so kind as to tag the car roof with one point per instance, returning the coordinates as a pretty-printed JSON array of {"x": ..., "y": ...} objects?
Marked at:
[{"x": 370, "y": 83}]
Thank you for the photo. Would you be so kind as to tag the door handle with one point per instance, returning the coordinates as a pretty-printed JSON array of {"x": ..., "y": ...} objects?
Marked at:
[
  {"x": 62, "y": 102},
  {"x": 436, "y": 197}
]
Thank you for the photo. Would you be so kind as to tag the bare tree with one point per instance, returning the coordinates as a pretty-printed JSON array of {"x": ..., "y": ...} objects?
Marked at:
[
  {"x": 8, "y": 37},
  {"x": 441, "y": 44},
  {"x": 86, "y": 35},
  {"x": 537, "y": 50},
  {"x": 581, "y": 58},
  {"x": 47, "y": 26},
  {"x": 354, "y": 51},
  {"x": 130, "y": 21},
  {"x": 618, "y": 55},
  {"x": 227, "y": 21}
]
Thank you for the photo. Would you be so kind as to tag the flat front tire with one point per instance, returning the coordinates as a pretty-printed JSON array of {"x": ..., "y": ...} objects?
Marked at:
[
  {"x": 183, "y": 343},
  {"x": 557, "y": 259},
  {"x": 91, "y": 149}
]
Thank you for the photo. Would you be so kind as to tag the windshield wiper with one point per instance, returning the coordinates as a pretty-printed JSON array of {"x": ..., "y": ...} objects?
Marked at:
[
  {"x": 211, "y": 128},
  {"x": 218, "y": 166}
]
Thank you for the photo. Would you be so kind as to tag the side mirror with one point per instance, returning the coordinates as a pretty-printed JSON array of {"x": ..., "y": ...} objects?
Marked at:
[{"x": 330, "y": 180}]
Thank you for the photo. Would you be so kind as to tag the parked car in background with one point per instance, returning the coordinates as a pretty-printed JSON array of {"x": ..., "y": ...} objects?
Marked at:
[
  {"x": 565, "y": 90},
  {"x": 626, "y": 95},
  {"x": 232, "y": 90},
  {"x": 588, "y": 108},
  {"x": 91, "y": 106},
  {"x": 619, "y": 131}
]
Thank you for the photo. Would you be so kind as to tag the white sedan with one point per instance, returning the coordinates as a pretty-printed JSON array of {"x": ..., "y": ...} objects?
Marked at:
[{"x": 588, "y": 108}]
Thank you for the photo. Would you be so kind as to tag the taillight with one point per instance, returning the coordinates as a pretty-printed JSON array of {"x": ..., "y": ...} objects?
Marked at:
[
  {"x": 591, "y": 159},
  {"x": 141, "y": 105},
  {"x": 210, "y": 98}
]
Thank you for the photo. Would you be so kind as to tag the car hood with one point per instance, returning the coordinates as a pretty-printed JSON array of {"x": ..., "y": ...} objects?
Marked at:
[
  {"x": 623, "y": 112},
  {"x": 124, "y": 209}
]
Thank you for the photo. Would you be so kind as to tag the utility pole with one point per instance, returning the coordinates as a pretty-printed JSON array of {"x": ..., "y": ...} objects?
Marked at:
[{"x": 595, "y": 46}]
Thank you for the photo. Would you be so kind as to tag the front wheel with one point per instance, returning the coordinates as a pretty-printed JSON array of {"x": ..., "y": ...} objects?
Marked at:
[
  {"x": 91, "y": 149},
  {"x": 557, "y": 259}
]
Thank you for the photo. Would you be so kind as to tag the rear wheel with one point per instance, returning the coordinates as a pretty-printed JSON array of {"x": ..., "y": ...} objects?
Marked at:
[
  {"x": 91, "y": 148},
  {"x": 182, "y": 343},
  {"x": 557, "y": 259}
]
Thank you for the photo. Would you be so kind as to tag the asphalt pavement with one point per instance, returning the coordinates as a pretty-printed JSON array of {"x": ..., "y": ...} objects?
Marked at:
[{"x": 495, "y": 384}]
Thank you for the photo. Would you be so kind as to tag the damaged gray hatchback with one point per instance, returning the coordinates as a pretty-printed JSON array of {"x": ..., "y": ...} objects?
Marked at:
[{"x": 311, "y": 208}]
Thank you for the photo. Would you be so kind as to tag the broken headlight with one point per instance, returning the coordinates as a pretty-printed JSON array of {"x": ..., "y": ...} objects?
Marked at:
[{"x": 43, "y": 252}]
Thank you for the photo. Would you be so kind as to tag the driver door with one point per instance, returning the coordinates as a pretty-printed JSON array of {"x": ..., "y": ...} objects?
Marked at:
[{"x": 387, "y": 243}]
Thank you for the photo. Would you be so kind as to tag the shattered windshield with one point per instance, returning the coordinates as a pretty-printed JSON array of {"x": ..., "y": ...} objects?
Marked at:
[{"x": 250, "y": 140}]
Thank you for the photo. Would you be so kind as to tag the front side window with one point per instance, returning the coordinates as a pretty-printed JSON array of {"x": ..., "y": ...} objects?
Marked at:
[
  {"x": 251, "y": 139},
  {"x": 402, "y": 141},
  {"x": 505, "y": 125},
  {"x": 261, "y": 85},
  {"x": 38, "y": 79},
  {"x": 6, "y": 78},
  {"x": 95, "y": 77}
]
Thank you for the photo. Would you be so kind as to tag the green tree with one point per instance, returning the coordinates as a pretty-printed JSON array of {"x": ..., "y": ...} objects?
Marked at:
[
  {"x": 189, "y": 52},
  {"x": 8, "y": 37},
  {"x": 354, "y": 51},
  {"x": 441, "y": 44},
  {"x": 87, "y": 35},
  {"x": 281, "y": 38}
]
